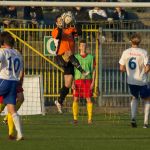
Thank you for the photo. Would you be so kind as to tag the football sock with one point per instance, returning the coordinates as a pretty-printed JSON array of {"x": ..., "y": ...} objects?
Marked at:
[
  {"x": 146, "y": 112},
  {"x": 63, "y": 93},
  {"x": 75, "y": 109},
  {"x": 11, "y": 127},
  {"x": 17, "y": 124},
  {"x": 76, "y": 63},
  {"x": 134, "y": 103},
  {"x": 89, "y": 110}
]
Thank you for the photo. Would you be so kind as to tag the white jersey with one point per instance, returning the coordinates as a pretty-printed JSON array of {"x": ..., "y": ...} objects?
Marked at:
[
  {"x": 11, "y": 64},
  {"x": 135, "y": 60}
]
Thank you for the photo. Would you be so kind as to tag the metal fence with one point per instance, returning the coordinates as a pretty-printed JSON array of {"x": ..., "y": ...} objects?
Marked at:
[
  {"x": 106, "y": 41},
  {"x": 30, "y": 41},
  {"x": 114, "y": 89}
]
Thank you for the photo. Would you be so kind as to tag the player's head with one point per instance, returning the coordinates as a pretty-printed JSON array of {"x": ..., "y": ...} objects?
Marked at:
[
  {"x": 59, "y": 21},
  {"x": 135, "y": 39},
  {"x": 82, "y": 45},
  {"x": 6, "y": 39},
  {"x": 57, "y": 18}
]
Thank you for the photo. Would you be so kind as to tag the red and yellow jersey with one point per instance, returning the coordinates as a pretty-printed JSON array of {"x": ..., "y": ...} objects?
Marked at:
[{"x": 66, "y": 40}]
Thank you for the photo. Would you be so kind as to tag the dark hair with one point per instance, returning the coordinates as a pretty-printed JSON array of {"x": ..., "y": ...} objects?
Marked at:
[
  {"x": 82, "y": 41},
  {"x": 135, "y": 39},
  {"x": 58, "y": 16},
  {"x": 7, "y": 38}
]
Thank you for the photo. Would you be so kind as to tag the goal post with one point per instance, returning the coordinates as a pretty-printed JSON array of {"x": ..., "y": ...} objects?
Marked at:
[{"x": 74, "y": 4}]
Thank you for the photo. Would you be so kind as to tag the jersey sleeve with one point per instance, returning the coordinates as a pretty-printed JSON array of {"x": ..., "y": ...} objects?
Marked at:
[
  {"x": 1, "y": 56},
  {"x": 77, "y": 30},
  {"x": 56, "y": 33},
  {"x": 122, "y": 59}
]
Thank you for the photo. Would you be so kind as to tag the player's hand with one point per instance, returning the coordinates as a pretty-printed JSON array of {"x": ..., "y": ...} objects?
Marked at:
[
  {"x": 73, "y": 86},
  {"x": 7, "y": 22},
  {"x": 92, "y": 86}
]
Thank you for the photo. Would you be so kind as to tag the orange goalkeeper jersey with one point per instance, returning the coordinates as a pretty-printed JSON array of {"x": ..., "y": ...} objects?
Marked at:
[{"x": 66, "y": 40}]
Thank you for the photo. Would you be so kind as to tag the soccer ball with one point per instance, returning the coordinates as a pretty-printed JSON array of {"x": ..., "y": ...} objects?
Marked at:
[{"x": 67, "y": 17}]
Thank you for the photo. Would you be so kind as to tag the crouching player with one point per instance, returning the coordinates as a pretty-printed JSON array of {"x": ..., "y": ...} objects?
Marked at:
[
  {"x": 11, "y": 64},
  {"x": 82, "y": 87}
]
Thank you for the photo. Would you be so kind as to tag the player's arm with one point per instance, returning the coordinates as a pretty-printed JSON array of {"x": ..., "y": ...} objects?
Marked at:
[
  {"x": 93, "y": 79},
  {"x": 21, "y": 77},
  {"x": 73, "y": 85},
  {"x": 147, "y": 68},
  {"x": 122, "y": 68},
  {"x": 57, "y": 33},
  {"x": 21, "y": 74},
  {"x": 122, "y": 62},
  {"x": 78, "y": 29},
  {"x": 93, "y": 75},
  {"x": 147, "y": 63}
]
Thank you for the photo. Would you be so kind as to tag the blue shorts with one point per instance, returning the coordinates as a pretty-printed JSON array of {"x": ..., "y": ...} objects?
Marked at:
[
  {"x": 8, "y": 91},
  {"x": 142, "y": 91}
]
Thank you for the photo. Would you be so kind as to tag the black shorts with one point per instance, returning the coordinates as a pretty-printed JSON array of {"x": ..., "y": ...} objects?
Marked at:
[
  {"x": 142, "y": 91},
  {"x": 67, "y": 66}
]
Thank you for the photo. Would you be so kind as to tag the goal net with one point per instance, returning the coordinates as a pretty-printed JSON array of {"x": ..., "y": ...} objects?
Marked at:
[{"x": 33, "y": 95}]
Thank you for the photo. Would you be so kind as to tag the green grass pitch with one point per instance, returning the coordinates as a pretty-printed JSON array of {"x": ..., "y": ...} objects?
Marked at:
[{"x": 56, "y": 132}]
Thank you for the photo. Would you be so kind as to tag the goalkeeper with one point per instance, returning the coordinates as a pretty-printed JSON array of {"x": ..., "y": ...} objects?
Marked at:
[{"x": 64, "y": 38}]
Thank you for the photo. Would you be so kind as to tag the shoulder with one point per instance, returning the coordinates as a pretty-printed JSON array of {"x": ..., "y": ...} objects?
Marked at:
[
  {"x": 126, "y": 51},
  {"x": 1, "y": 51},
  {"x": 90, "y": 55},
  {"x": 77, "y": 55},
  {"x": 17, "y": 52},
  {"x": 143, "y": 50}
]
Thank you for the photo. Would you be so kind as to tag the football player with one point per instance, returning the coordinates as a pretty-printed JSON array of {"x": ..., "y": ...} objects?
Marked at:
[
  {"x": 136, "y": 63},
  {"x": 11, "y": 64},
  {"x": 65, "y": 34}
]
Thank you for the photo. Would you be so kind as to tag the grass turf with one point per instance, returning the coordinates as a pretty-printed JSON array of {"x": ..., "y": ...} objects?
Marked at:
[{"x": 56, "y": 132}]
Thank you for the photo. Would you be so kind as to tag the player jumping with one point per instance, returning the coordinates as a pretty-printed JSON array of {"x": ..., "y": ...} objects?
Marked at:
[{"x": 64, "y": 35}]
